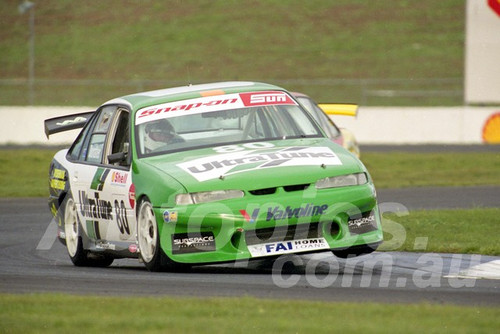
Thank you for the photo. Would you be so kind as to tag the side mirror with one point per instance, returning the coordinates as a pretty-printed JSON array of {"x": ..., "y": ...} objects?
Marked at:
[
  {"x": 117, "y": 157},
  {"x": 120, "y": 157}
]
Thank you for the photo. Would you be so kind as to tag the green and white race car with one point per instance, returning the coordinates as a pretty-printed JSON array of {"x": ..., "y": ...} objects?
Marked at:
[{"x": 205, "y": 174}]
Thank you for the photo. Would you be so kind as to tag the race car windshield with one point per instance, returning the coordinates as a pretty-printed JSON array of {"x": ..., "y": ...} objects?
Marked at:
[{"x": 224, "y": 127}]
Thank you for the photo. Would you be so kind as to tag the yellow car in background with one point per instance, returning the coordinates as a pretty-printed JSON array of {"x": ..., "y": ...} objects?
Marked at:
[{"x": 320, "y": 112}]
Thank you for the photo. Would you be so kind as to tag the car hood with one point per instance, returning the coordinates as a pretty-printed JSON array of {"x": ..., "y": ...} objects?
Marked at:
[{"x": 279, "y": 163}]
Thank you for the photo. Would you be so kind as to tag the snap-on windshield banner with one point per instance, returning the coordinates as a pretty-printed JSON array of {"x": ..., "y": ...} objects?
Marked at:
[{"x": 212, "y": 103}]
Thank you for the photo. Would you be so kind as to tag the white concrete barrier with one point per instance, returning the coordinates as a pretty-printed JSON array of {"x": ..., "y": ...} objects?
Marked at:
[
  {"x": 24, "y": 125},
  {"x": 373, "y": 125},
  {"x": 418, "y": 125}
]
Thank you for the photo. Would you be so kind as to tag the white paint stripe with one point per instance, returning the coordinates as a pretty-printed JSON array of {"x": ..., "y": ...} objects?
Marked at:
[
  {"x": 49, "y": 237},
  {"x": 487, "y": 270}
]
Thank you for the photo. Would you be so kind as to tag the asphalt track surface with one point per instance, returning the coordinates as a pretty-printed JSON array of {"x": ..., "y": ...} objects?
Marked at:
[{"x": 32, "y": 261}]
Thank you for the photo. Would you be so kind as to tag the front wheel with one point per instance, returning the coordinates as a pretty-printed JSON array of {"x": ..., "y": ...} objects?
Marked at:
[
  {"x": 149, "y": 242},
  {"x": 148, "y": 238}
]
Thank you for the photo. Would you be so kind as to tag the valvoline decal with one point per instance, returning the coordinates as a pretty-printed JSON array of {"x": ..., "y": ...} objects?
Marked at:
[{"x": 278, "y": 213}]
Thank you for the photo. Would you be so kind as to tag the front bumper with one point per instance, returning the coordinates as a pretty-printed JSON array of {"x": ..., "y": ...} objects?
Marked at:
[{"x": 270, "y": 225}]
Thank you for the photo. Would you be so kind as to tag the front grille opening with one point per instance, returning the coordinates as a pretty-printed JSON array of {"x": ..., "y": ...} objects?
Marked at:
[
  {"x": 264, "y": 191},
  {"x": 296, "y": 187},
  {"x": 237, "y": 239},
  {"x": 282, "y": 233},
  {"x": 334, "y": 229},
  {"x": 270, "y": 191}
]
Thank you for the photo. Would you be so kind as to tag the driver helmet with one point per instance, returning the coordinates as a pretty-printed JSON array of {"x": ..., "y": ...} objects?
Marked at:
[{"x": 158, "y": 134}]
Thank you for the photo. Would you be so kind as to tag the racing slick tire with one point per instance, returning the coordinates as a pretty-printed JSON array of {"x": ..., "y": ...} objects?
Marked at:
[
  {"x": 148, "y": 237},
  {"x": 74, "y": 244}
]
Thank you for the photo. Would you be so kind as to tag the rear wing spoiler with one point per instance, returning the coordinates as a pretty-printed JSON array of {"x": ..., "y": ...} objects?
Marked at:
[
  {"x": 66, "y": 123},
  {"x": 346, "y": 109}
]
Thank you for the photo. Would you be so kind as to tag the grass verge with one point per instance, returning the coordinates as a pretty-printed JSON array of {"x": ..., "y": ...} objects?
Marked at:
[
  {"x": 405, "y": 169},
  {"x": 443, "y": 231},
  {"x": 53, "y": 313},
  {"x": 25, "y": 172},
  {"x": 302, "y": 45}
]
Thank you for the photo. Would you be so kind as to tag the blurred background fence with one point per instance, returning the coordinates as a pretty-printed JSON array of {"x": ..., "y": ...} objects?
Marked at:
[{"x": 365, "y": 92}]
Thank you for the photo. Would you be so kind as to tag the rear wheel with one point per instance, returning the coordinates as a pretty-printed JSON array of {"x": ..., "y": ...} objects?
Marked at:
[
  {"x": 79, "y": 256},
  {"x": 72, "y": 232}
]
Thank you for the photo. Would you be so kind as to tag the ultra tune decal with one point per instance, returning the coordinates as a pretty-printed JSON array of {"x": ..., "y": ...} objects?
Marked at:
[{"x": 214, "y": 166}]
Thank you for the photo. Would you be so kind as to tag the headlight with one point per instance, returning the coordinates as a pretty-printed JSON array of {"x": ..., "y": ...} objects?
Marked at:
[
  {"x": 207, "y": 196},
  {"x": 342, "y": 181}
]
